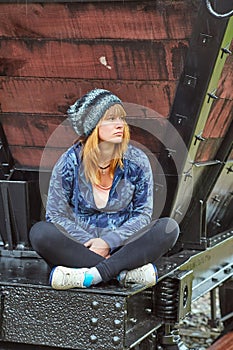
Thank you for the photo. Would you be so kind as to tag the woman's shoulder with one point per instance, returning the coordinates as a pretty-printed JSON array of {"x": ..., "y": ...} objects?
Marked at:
[
  {"x": 135, "y": 154},
  {"x": 72, "y": 155},
  {"x": 75, "y": 150},
  {"x": 137, "y": 160}
]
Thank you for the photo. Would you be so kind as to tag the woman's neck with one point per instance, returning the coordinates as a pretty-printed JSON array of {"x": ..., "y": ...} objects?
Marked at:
[{"x": 106, "y": 152}]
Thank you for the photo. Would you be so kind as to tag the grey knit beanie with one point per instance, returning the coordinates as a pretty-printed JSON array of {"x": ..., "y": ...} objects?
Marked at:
[{"x": 86, "y": 112}]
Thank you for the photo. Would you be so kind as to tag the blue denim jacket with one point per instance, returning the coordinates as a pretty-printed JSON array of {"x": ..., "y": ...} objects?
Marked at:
[{"x": 129, "y": 208}]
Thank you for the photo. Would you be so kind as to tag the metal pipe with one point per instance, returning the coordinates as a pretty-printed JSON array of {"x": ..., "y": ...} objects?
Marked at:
[
  {"x": 213, "y": 308},
  {"x": 227, "y": 317}
]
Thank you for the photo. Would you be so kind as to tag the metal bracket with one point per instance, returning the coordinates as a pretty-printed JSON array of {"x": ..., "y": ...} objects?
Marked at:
[
  {"x": 190, "y": 81},
  {"x": 199, "y": 137},
  {"x": 226, "y": 51},
  {"x": 230, "y": 169},
  {"x": 181, "y": 119},
  {"x": 170, "y": 152},
  {"x": 212, "y": 95},
  {"x": 205, "y": 39}
]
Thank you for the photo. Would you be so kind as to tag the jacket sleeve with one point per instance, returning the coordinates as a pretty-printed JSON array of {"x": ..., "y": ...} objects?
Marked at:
[
  {"x": 58, "y": 209},
  {"x": 142, "y": 207}
]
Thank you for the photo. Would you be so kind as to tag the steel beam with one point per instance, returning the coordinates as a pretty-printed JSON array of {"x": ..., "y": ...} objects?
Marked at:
[{"x": 193, "y": 100}]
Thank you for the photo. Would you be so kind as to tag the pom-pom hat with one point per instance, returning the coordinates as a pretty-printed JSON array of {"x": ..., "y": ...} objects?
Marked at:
[{"x": 86, "y": 112}]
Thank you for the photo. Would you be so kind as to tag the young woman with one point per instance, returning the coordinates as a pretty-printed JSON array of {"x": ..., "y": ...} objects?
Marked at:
[{"x": 100, "y": 202}]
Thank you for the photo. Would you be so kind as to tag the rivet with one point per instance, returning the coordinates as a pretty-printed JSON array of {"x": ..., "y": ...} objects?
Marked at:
[
  {"x": 118, "y": 306},
  {"x": 116, "y": 340},
  {"x": 214, "y": 279},
  {"x": 148, "y": 311},
  {"x": 133, "y": 320},
  {"x": 93, "y": 338},
  {"x": 95, "y": 305},
  {"x": 94, "y": 321},
  {"x": 117, "y": 323}
]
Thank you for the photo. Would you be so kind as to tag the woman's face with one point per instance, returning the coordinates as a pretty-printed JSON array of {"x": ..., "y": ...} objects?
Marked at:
[{"x": 111, "y": 126}]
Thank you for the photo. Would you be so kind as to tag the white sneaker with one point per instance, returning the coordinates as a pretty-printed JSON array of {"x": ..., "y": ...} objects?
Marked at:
[
  {"x": 146, "y": 275},
  {"x": 65, "y": 277}
]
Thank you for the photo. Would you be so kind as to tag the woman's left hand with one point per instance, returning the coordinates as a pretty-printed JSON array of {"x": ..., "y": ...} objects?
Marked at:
[{"x": 98, "y": 246}]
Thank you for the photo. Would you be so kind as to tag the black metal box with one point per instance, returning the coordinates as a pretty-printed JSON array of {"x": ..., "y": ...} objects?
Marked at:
[
  {"x": 108, "y": 317},
  {"x": 20, "y": 204}
]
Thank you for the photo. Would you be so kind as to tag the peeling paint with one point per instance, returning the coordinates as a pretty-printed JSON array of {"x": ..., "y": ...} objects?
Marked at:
[{"x": 103, "y": 61}]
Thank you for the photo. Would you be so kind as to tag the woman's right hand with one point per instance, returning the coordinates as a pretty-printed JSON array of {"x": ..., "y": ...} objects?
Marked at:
[{"x": 98, "y": 246}]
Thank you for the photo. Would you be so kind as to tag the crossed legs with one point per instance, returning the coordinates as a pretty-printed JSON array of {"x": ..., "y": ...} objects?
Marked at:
[{"x": 57, "y": 247}]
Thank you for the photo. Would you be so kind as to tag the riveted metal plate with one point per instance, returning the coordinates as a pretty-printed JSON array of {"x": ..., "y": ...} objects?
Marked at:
[{"x": 70, "y": 319}]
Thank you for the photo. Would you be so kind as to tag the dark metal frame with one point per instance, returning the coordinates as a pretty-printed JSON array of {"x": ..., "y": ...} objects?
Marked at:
[{"x": 191, "y": 94}]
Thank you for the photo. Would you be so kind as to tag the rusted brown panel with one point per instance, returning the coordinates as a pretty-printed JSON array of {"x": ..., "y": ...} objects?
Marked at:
[
  {"x": 219, "y": 119},
  {"x": 37, "y": 131},
  {"x": 53, "y": 96},
  {"x": 221, "y": 113},
  {"x": 41, "y": 131},
  {"x": 37, "y": 140},
  {"x": 122, "y": 20},
  {"x": 132, "y": 60},
  {"x": 225, "y": 342},
  {"x": 29, "y": 157},
  {"x": 225, "y": 85},
  {"x": 207, "y": 149}
]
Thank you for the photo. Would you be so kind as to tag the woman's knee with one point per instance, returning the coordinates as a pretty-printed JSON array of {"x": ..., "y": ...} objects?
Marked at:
[
  {"x": 170, "y": 229},
  {"x": 37, "y": 234}
]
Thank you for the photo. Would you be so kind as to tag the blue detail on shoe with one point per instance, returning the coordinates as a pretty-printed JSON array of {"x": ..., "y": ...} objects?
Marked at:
[
  {"x": 156, "y": 272},
  {"x": 88, "y": 280},
  {"x": 51, "y": 275},
  {"x": 121, "y": 275}
]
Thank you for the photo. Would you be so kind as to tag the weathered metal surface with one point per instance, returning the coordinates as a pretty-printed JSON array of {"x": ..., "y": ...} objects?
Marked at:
[
  {"x": 20, "y": 284},
  {"x": 98, "y": 318},
  {"x": 126, "y": 60},
  {"x": 134, "y": 49},
  {"x": 220, "y": 203},
  {"x": 210, "y": 267},
  {"x": 106, "y": 315},
  {"x": 47, "y": 133},
  {"x": 208, "y": 150},
  {"x": 51, "y": 96},
  {"x": 70, "y": 319},
  {"x": 122, "y": 20},
  {"x": 220, "y": 116},
  {"x": 192, "y": 104},
  {"x": 198, "y": 235},
  {"x": 226, "y": 303}
]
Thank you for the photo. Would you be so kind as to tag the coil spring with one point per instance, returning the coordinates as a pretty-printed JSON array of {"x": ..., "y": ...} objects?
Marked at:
[{"x": 166, "y": 300}]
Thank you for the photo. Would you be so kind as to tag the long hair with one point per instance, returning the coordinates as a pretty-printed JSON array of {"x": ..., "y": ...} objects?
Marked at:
[{"x": 91, "y": 150}]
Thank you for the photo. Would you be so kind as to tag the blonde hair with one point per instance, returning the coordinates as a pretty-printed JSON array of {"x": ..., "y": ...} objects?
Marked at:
[{"x": 91, "y": 150}]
